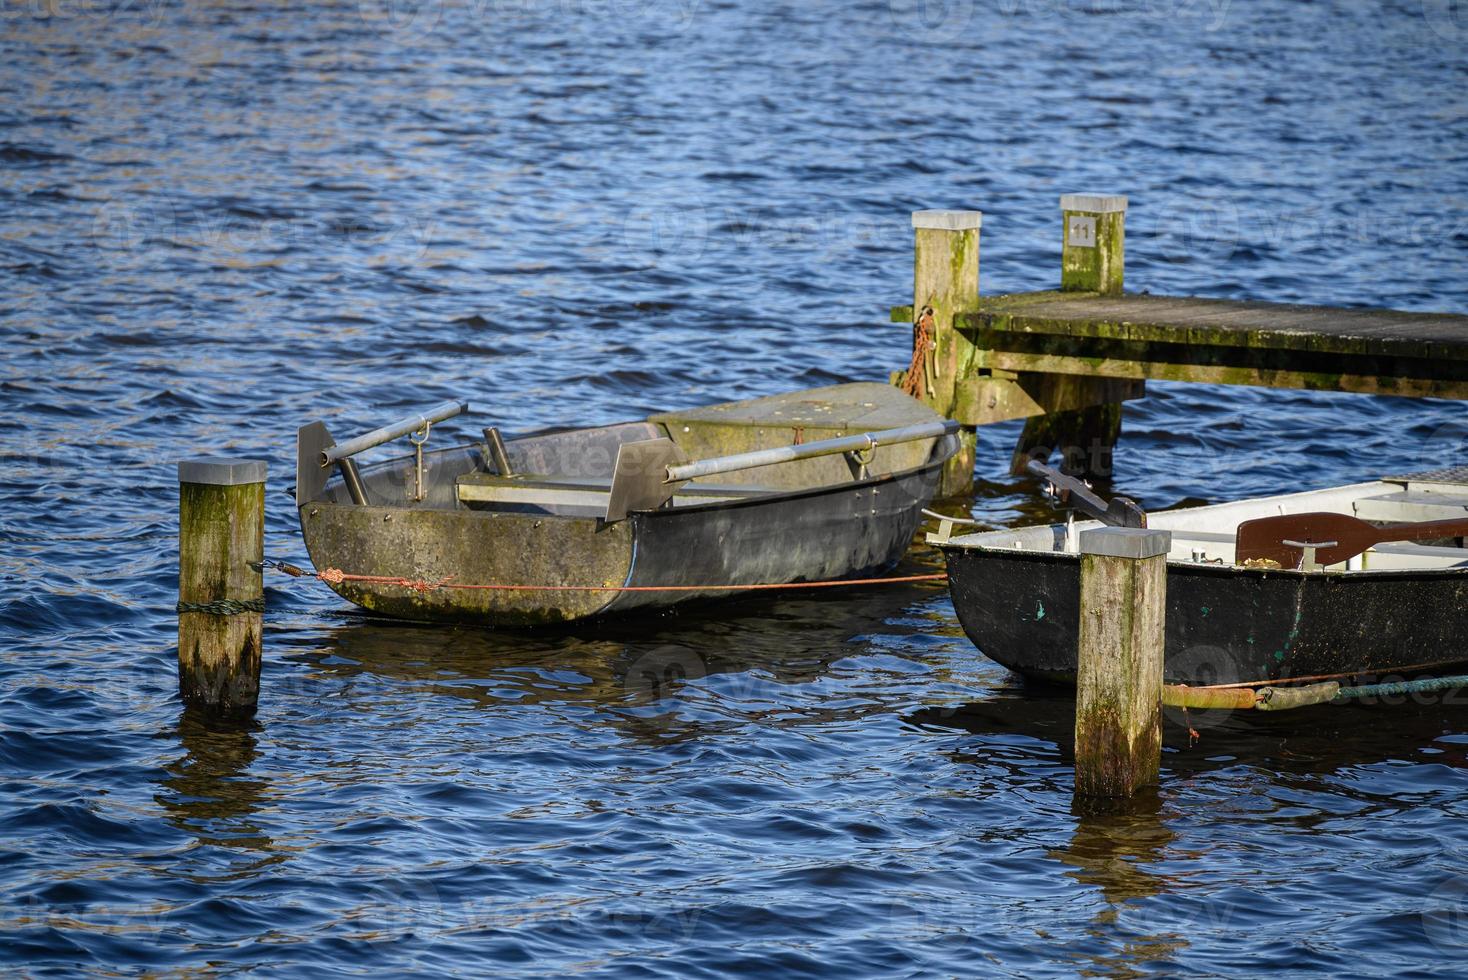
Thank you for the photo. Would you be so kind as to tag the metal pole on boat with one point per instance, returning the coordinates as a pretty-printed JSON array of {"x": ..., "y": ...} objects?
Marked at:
[
  {"x": 221, "y": 599},
  {"x": 414, "y": 423},
  {"x": 1118, "y": 739},
  {"x": 809, "y": 450}
]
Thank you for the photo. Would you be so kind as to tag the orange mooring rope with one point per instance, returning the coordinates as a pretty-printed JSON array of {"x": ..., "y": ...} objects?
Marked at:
[
  {"x": 915, "y": 384},
  {"x": 335, "y": 576}
]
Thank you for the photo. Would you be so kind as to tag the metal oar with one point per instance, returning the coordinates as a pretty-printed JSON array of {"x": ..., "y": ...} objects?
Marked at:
[
  {"x": 1121, "y": 512},
  {"x": 1333, "y": 537},
  {"x": 649, "y": 472}
]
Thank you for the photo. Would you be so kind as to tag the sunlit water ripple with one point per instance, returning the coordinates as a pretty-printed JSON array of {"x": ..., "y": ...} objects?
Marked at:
[{"x": 217, "y": 222}]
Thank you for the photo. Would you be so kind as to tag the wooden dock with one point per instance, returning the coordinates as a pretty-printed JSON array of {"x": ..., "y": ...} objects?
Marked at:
[{"x": 1065, "y": 360}]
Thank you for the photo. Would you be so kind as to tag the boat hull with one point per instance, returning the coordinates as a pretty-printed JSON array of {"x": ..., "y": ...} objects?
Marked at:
[
  {"x": 814, "y": 535},
  {"x": 1224, "y": 624},
  {"x": 524, "y": 531}
]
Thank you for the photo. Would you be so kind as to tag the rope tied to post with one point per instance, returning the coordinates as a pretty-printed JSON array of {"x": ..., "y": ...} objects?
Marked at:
[
  {"x": 223, "y": 607},
  {"x": 923, "y": 346}
]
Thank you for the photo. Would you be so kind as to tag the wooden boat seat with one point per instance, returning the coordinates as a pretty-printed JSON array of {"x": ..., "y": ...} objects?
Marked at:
[{"x": 488, "y": 491}]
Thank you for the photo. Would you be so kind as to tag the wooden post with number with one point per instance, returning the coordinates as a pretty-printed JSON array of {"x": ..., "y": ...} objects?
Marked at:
[
  {"x": 1092, "y": 255},
  {"x": 1094, "y": 250}
]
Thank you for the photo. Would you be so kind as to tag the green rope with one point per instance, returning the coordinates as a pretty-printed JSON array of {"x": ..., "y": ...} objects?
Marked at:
[
  {"x": 1425, "y": 685},
  {"x": 224, "y": 607}
]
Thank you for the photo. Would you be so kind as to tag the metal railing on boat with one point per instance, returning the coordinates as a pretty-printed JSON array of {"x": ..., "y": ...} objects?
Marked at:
[
  {"x": 860, "y": 442},
  {"x": 414, "y": 423}
]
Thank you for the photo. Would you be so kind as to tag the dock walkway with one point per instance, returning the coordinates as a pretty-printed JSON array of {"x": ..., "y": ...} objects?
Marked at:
[
  {"x": 1214, "y": 341},
  {"x": 1065, "y": 360}
]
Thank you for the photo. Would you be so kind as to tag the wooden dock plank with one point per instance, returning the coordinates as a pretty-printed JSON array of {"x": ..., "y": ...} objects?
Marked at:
[
  {"x": 1140, "y": 336},
  {"x": 1228, "y": 323}
]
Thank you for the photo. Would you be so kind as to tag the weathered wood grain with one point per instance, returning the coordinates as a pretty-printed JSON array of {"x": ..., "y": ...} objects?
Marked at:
[
  {"x": 221, "y": 528},
  {"x": 1118, "y": 739},
  {"x": 1276, "y": 345}
]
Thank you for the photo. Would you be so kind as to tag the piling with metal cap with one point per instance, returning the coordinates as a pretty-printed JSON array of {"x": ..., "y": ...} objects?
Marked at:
[
  {"x": 1093, "y": 254},
  {"x": 1118, "y": 739},
  {"x": 946, "y": 279},
  {"x": 221, "y": 599}
]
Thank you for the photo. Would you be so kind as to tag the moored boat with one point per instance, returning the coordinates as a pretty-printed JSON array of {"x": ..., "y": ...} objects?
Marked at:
[
  {"x": 561, "y": 526},
  {"x": 1398, "y": 608}
]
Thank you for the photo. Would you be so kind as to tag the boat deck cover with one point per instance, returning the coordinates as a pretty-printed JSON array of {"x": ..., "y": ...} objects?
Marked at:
[
  {"x": 860, "y": 407},
  {"x": 1452, "y": 476}
]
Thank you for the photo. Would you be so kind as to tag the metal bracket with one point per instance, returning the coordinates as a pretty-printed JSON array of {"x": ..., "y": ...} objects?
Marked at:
[
  {"x": 946, "y": 523},
  {"x": 857, "y": 460},
  {"x": 418, "y": 443},
  {"x": 1307, "y": 553},
  {"x": 640, "y": 481}
]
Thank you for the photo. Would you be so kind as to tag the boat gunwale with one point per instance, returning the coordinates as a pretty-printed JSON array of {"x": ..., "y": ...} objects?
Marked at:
[
  {"x": 1208, "y": 568},
  {"x": 936, "y": 458}
]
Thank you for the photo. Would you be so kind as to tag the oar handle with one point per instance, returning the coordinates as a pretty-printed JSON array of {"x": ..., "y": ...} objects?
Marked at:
[
  {"x": 1455, "y": 527},
  {"x": 1121, "y": 512}
]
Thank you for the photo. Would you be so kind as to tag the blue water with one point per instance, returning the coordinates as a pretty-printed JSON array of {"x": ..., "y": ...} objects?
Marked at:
[{"x": 219, "y": 222}]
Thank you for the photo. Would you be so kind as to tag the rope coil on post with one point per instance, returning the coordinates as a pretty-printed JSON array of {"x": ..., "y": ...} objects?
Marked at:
[{"x": 223, "y": 607}]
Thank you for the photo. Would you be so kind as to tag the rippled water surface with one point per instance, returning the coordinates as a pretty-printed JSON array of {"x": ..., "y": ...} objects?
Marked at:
[{"x": 220, "y": 221}]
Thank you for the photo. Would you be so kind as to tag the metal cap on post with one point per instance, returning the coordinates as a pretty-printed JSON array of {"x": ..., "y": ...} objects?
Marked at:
[
  {"x": 947, "y": 219},
  {"x": 945, "y": 282},
  {"x": 1093, "y": 254},
  {"x": 1125, "y": 542},
  {"x": 1118, "y": 737},
  {"x": 221, "y": 602},
  {"x": 221, "y": 471}
]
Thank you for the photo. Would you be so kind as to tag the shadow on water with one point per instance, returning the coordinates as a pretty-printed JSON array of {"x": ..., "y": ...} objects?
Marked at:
[
  {"x": 1311, "y": 741},
  {"x": 635, "y": 669}
]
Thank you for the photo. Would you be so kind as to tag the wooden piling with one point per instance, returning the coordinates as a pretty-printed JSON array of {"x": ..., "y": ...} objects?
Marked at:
[
  {"x": 1118, "y": 739},
  {"x": 1092, "y": 257},
  {"x": 221, "y": 529},
  {"x": 1093, "y": 254},
  {"x": 946, "y": 279}
]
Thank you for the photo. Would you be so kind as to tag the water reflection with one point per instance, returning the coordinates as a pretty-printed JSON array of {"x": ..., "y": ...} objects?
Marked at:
[
  {"x": 1117, "y": 848},
  {"x": 208, "y": 792},
  {"x": 641, "y": 675}
]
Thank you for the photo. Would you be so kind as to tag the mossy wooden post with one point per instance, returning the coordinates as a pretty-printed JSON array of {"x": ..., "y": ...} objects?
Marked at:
[
  {"x": 1094, "y": 249},
  {"x": 946, "y": 277},
  {"x": 221, "y": 529},
  {"x": 1092, "y": 256},
  {"x": 1119, "y": 670}
]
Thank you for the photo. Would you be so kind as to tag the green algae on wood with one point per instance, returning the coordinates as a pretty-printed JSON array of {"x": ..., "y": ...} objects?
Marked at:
[
  {"x": 1118, "y": 735},
  {"x": 1093, "y": 253},
  {"x": 946, "y": 278},
  {"x": 221, "y": 530},
  {"x": 1384, "y": 352}
]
